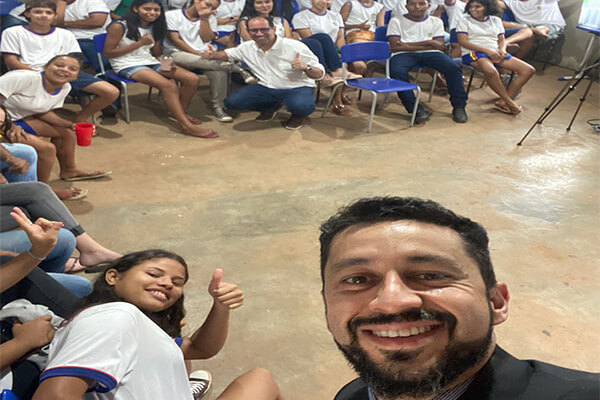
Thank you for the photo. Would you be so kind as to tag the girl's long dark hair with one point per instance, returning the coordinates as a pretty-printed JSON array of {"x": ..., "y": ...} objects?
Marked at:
[
  {"x": 132, "y": 21},
  {"x": 489, "y": 5},
  {"x": 168, "y": 320},
  {"x": 250, "y": 12}
]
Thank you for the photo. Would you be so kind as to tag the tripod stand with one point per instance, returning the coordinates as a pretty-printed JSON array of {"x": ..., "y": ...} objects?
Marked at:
[{"x": 564, "y": 92}]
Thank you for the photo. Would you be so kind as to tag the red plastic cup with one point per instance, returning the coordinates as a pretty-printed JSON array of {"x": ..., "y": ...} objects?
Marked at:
[{"x": 84, "y": 132}]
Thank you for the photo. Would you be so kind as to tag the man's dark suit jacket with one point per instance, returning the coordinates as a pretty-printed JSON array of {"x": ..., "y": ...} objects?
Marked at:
[{"x": 504, "y": 377}]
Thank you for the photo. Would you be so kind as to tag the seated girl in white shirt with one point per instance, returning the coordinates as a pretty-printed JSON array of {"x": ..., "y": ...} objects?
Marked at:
[
  {"x": 132, "y": 46},
  {"x": 29, "y": 98},
  {"x": 481, "y": 36},
  {"x": 228, "y": 14},
  {"x": 262, "y": 8},
  {"x": 124, "y": 342}
]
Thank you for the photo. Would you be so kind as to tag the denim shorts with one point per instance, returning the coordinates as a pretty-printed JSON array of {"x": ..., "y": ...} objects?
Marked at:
[
  {"x": 467, "y": 59},
  {"x": 83, "y": 80},
  {"x": 129, "y": 71}
]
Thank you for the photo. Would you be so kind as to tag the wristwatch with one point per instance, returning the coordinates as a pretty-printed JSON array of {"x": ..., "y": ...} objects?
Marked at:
[{"x": 308, "y": 68}]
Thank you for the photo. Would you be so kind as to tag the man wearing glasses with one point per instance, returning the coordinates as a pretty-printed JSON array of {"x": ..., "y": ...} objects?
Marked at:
[{"x": 286, "y": 70}]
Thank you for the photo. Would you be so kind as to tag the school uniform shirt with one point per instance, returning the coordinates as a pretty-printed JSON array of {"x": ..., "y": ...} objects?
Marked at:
[
  {"x": 188, "y": 29},
  {"x": 360, "y": 13},
  {"x": 139, "y": 56},
  {"x": 336, "y": 5},
  {"x": 82, "y": 9},
  {"x": 228, "y": 9},
  {"x": 124, "y": 353},
  {"x": 329, "y": 22},
  {"x": 455, "y": 13},
  {"x": 482, "y": 33},
  {"x": 537, "y": 12},
  {"x": 272, "y": 67},
  {"x": 411, "y": 31},
  {"x": 36, "y": 49},
  {"x": 24, "y": 94},
  {"x": 399, "y": 7}
]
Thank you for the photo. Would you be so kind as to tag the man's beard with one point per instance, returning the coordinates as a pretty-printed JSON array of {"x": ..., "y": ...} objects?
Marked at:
[{"x": 389, "y": 383}]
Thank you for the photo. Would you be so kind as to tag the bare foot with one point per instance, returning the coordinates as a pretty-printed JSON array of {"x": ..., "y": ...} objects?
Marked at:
[
  {"x": 98, "y": 256},
  {"x": 198, "y": 132},
  {"x": 77, "y": 174}
]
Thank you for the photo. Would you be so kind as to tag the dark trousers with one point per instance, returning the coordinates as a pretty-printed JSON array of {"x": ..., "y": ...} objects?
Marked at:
[
  {"x": 323, "y": 47},
  {"x": 400, "y": 64},
  {"x": 299, "y": 101}
]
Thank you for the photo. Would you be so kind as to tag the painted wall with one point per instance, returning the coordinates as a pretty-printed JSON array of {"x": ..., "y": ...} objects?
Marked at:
[{"x": 576, "y": 40}]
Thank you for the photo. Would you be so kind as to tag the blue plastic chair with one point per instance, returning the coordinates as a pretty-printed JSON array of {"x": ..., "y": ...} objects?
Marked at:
[
  {"x": 110, "y": 74},
  {"x": 6, "y": 6},
  {"x": 366, "y": 51},
  {"x": 8, "y": 395}
]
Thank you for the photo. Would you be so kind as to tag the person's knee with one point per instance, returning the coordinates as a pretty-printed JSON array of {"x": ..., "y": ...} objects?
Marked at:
[
  {"x": 102, "y": 89},
  {"x": 45, "y": 149},
  {"x": 65, "y": 241},
  {"x": 25, "y": 152},
  {"x": 301, "y": 106},
  {"x": 40, "y": 190}
]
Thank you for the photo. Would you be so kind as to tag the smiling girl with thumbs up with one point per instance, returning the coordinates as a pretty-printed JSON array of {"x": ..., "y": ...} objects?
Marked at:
[{"x": 124, "y": 343}]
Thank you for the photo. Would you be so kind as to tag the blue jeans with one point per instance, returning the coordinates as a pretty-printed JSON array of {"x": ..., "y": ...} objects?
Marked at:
[
  {"x": 77, "y": 285},
  {"x": 299, "y": 101},
  {"x": 24, "y": 152},
  {"x": 400, "y": 64},
  {"x": 18, "y": 242},
  {"x": 323, "y": 47}
]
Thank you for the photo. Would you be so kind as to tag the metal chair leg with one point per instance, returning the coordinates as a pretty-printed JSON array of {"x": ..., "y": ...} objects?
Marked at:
[
  {"x": 126, "y": 98},
  {"x": 373, "y": 104},
  {"x": 414, "y": 113},
  {"x": 333, "y": 89},
  {"x": 433, "y": 82}
]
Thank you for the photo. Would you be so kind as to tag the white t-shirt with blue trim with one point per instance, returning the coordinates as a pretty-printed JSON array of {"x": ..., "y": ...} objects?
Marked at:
[{"x": 126, "y": 355}]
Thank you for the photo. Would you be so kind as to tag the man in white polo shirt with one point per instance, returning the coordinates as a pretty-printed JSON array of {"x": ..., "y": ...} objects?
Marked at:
[
  {"x": 286, "y": 70},
  {"x": 417, "y": 39}
]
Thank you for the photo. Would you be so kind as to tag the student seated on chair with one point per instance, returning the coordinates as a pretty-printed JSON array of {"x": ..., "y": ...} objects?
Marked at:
[
  {"x": 455, "y": 9},
  {"x": 132, "y": 46},
  {"x": 418, "y": 39},
  {"x": 30, "y": 97},
  {"x": 481, "y": 36},
  {"x": 31, "y": 47},
  {"x": 190, "y": 31},
  {"x": 323, "y": 32},
  {"x": 361, "y": 17},
  {"x": 228, "y": 14},
  {"x": 542, "y": 17},
  {"x": 262, "y": 8},
  {"x": 286, "y": 70},
  {"x": 85, "y": 19}
]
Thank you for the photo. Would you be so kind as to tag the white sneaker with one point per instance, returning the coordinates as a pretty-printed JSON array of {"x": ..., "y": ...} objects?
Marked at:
[
  {"x": 200, "y": 383},
  {"x": 222, "y": 116},
  {"x": 248, "y": 78}
]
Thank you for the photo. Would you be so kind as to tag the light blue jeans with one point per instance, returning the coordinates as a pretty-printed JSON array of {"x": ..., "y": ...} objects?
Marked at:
[
  {"x": 54, "y": 264},
  {"x": 25, "y": 152}
]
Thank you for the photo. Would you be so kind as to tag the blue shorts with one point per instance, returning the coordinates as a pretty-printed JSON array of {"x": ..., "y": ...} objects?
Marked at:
[
  {"x": 83, "y": 80},
  {"x": 467, "y": 59},
  {"x": 129, "y": 71},
  {"x": 453, "y": 36},
  {"x": 25, "y": 126}
]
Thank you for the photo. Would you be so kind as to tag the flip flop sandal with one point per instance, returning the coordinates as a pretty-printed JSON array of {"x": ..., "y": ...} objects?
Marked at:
[
  {"x": 75, "y": 194},
  {"x": 503, "y": 109},
  {"x": 87, "y": 177}
]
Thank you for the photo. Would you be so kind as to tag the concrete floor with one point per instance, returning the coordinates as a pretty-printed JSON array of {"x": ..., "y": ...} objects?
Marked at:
[{"x": 251, "y": 203}]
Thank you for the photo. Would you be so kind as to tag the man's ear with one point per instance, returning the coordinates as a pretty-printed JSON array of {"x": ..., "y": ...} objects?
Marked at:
[
  {"x": 499, "y": 297},
  {"x": 112, "y": 276}
]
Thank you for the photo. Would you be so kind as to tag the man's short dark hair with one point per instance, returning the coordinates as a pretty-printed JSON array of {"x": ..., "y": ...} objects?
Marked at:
[
  {"x": 374, "y": 210},
  {"x": 268, "y": 19}
]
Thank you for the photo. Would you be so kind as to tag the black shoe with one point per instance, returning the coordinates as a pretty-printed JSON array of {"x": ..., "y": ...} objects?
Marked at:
[
  {"x": 294, "y": 122},
  {"x": 110, "y": 111},
  {"x": 459, "y": 115},
  {"x": 267, "y": 115},
  {"x": 422, "y": 116}
]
